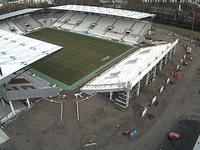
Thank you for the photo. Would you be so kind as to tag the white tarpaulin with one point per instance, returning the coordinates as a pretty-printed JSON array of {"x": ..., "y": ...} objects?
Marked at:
[
  {"x": 105, "y": 11},
  {"x": 17, "y": 52},
  {"x": 128, "y": 72}
]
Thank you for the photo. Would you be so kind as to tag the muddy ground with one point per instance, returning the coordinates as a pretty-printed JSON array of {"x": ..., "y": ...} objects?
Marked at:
[{"x": 189, "y": 130}]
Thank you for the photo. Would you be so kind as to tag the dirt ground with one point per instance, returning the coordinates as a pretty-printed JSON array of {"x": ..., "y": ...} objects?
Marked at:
[
  {"x": 101, "y": 122},
  {"x": 189, "y": 132}
]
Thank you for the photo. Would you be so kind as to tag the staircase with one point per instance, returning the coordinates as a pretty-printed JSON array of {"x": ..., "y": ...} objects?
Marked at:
[{"x": 122, "y": 99}]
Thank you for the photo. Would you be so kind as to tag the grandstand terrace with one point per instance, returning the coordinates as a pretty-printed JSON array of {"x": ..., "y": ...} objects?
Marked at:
[
  {"x": 124, "y": 80},
  {"x": 97, "y": 42},
  {"x": 116, "y": 24},
  {"x": 96, "y": 73},
  {"x": 17, "y": 52},
  {"x": 20, "y": 21}
]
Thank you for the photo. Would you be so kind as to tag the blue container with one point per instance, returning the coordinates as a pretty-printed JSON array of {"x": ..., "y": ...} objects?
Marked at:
[{"x": 133, "y": 134}]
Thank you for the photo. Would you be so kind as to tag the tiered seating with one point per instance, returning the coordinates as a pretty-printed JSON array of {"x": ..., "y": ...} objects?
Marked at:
[
  {"x": 119, "y": 28},
  {"x": 11, "y": 25},
  {"x": 47, "y": 19},
  {"x": 138, "y": 31},
  {"x": 63, "y": 19},
  {"x": 121, "y": 25},
  {"x": 137, "y": 28},
  {"x": 27, "y": 23},
  {"x": 74, "y": 20},
  {"x": 4, "y": 26},
  {"x": 102, "y": 25},
  {"x": 132, "y": 39},
  {"x": 114, "y": 35},
  {"x": 145, "y": 29},
  {"x": 122, "y": 29},
  {"x": 88, "y": 21}
]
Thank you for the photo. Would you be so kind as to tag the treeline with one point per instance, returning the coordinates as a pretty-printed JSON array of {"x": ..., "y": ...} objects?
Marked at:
[
  {"x": 9, "y": 7},
  {"x": 78, "y": 2}
]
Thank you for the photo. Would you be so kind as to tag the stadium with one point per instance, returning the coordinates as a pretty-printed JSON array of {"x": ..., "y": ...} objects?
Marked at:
[
  {"x": 73, "y": 46},
  {"x": 90, "y": 72}
]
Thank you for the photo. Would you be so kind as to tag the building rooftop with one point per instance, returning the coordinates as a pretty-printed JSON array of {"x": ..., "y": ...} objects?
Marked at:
[
  {"x": 128, "y": 72},
  {"x": 17, "y": 52},
  {"x": 18, "y": 13},
  {"x": 105, "y": 11}
]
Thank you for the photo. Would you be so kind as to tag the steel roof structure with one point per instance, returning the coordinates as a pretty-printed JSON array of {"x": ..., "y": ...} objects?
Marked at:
[
  {"x": 17, "y": 52},
  {"x": 105, "y": 11},
  {"x": 128, "y": 72},
  {"x": 18, "y": 13}
]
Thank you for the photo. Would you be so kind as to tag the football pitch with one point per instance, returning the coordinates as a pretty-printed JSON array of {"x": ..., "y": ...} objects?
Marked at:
[{"x": 81, "y": 55}]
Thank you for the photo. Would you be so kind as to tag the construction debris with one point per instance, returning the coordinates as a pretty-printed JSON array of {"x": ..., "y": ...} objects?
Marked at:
[{"x": 90, "y": 144}]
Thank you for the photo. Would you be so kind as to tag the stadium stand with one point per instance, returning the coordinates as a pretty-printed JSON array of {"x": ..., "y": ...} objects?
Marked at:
[
  {"x": 119, "y": 28},
  {"x": 116, "y": 28},
  {"x": 122, "y": 24},
  {"x": 27, "y": 23},
  {"x": 136, "y": 29},
  {"x": 20, "y": 25},
  {"x": 74, "y": 20},
  {"x": 63, "y": 19},
  {"x": 21, "y": 51},
  {"x": 4, "y": 26},
  {"x": 13, "y": 28},
  {"x": 132, "y": 39},
  {"x": 102, "y": 25},
  {"x": 87, "y": 23}
]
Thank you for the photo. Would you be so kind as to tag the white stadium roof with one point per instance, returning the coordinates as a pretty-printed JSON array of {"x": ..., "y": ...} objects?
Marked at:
[
  {"x": 128, "y": 72},
  {"x": 18, "y": 13},
  {"x": 106, "y": 11},
  {"x": 17, "y": 52},
  {"x": 3, "y": 136}
]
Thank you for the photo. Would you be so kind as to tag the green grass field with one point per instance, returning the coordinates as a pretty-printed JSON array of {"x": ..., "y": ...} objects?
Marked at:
[{"x": 80, "y": 56}]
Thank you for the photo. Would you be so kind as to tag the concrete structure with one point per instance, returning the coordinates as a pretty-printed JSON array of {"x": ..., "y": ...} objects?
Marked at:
[
  {"x": 17, "y": 52},
  {"x": 18, "y": 13},
  {"x": 125, "y": 28},
  {"x": 123, "y": 81},
  {"x": 106, "y": 11}
]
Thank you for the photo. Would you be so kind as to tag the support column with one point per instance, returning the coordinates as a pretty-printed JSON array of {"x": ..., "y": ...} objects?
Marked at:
[
  {"x": 166, "y": 58},
  {"x": 111, "y": 95},
  {"x": 127, "y": 98},
  {"x": 138, "y": 89},
  {"x": 154, "y": 72},
  {"x": 3, "y": 103},
  {"x": 174, "y": 50},
  {"x": 28, "y": 102},
  {"x": 170, "y": 55},
  {"x": 12, "y": 107},
  {"x": 160, "y": 65},
  {"x": 147, "y": 79}
]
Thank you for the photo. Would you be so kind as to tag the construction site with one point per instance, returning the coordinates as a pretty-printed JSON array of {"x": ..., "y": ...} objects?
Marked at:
[{"x": 93, "y": 78}]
